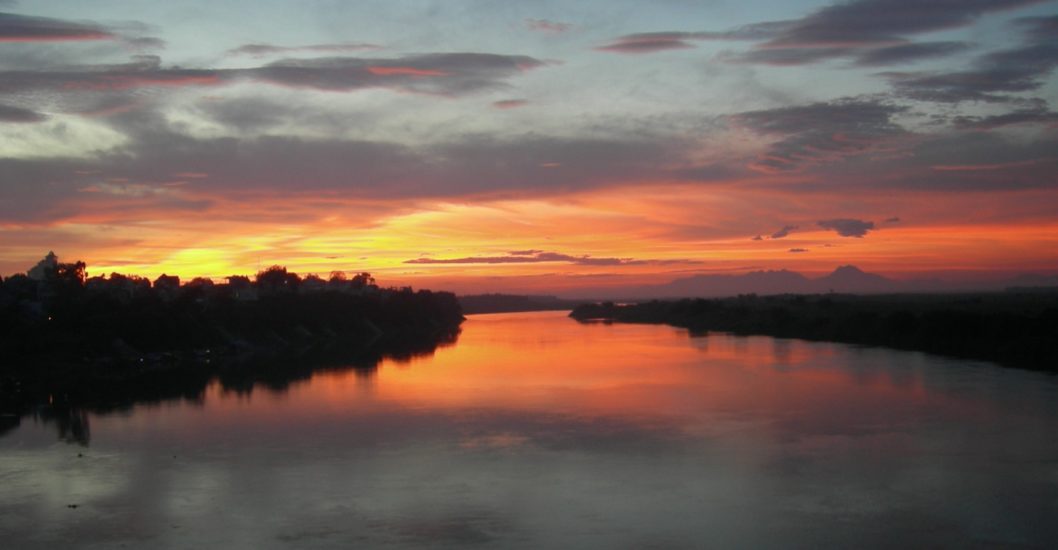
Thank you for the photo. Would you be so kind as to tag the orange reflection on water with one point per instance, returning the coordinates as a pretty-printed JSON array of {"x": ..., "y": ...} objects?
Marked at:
[{"x": 544, "y": 362}]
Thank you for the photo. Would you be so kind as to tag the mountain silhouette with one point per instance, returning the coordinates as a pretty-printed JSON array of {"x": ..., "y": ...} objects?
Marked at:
[
  {"x": 845, "y": 279},
  {"x": 851, "y": 279},
  {"x": 760, "y": 282}
]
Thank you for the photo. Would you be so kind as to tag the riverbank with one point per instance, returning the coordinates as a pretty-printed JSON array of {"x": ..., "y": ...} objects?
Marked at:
[
  {"x": 91, "y": 348},
  {"x": 111, "y": 384},
  {"x": 1011, "y": 329}
]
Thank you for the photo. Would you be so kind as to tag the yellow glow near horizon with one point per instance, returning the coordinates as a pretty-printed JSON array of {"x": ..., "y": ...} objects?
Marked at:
[{"x": 650, "y": 227}]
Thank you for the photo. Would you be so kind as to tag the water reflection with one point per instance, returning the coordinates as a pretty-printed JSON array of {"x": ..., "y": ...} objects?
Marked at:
[
  {"x": 71, "y": 423},
  {"x": 68, "y": 411},
  {"x": 536, "y": 431}
]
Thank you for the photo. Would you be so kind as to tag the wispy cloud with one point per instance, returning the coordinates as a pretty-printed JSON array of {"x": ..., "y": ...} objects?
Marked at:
[
  {"x": 547, "y": 26},
  {"x": 9, "y": 113},
  {"x": 510, "y": 103},
  {"x": 820, "y": 132},
  {"x": 22, "y": 28},
  {"x": 785, "y": 231},
  {"x": 983, "y": 167},
  {"x": 992, "y": 75},
  {"x": 263, "y": 49},
  {"x": 444, "y": 74},
  {"x": 872, "y": 32},
  {"x": 538, "y": 256},
  {"x": 649, "y": 42}
]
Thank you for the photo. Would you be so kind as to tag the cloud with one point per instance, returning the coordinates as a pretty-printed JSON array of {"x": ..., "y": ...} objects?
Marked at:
[
  {"x": 905, "y": 53},
  {"x": 446, "y": 74},
  {"x": 882, "y": 23},
  {"x": 649, "y": 43},
  {"x": 144, "y": 42},
  {"x": 894, "y": 219},
  {"x": 984, "y": 167},
  {"x": 758, "y": 238},
  {"x": 510, "y": 103},
  {"x": 441, "y": 74},
  {"x": 1034, "y": 111},
  {"x": 847, "y": 227},
  {"x": 251, "y": 114},
  {"x": 1001, "y": 72},
  {"x": 537, "y": 256},
  {"x": 960, "y": 161},
  {"x": 545, "y": 26},
  {"x": 797, "y": 250},
  {"x": 47, "y": 190},
  {"x": 783, "y": 57},
  {"x": 783, "y": 232},
  {"x": 874, "y": 32},
  {"x": 712, "y": 172},
  {"x": 261, "y": 50},
  {"x": 820, "y": 132},
  {"x": 141, "y": 71},
  {"x": 19, "y": 115},
  {"x": 22, "y": 28}
]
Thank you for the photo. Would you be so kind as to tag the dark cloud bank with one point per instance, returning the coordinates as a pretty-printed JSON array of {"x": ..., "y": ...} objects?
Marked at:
[{"x": 871, "y": 32}]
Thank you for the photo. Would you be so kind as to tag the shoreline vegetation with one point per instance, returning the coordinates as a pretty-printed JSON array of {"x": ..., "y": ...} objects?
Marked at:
[
  {"x": 1017, "y": 329},
  {"x": 104, "y": 340}
]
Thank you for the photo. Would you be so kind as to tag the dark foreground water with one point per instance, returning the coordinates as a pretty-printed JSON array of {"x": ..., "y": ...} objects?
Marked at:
[{"x": 536, "y": 431}]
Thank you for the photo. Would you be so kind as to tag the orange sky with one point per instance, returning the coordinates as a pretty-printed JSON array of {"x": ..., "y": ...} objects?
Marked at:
[
  {"x": 531, "y": 152},
  {"x": 674, "y": 233}
]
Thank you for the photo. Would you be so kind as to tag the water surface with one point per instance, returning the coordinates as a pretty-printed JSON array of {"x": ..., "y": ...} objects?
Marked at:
[{"x": 534, "y": 430}]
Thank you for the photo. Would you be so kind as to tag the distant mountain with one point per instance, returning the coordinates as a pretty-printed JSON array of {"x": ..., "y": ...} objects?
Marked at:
[
  {"x": 1033, "y": 281},
  {"x": 760, "y": 282},
  {"x": 851, "y": 279},
  {"x": 847, "y": 279}
]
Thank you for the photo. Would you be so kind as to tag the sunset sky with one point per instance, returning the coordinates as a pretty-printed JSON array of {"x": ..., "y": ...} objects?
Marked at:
[{"x": 531, "y": 146}]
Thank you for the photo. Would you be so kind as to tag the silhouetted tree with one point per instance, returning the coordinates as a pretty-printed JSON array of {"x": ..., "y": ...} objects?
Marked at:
[
  {"x": 72, "y": 274},
  {"x": 21, "y": 287},
  {"x": 168, "y": 282},
  {"x": 201, "y": 282},
  {"x": 362, "y": 280},
  {"x": 239, "y": 281},
  {"x": 277, "y": 279}
]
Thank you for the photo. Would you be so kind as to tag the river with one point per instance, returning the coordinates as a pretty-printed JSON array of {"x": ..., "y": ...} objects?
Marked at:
[{"x": 536, "y": 431}]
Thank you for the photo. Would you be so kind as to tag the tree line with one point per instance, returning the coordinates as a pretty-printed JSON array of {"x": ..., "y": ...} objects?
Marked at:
[
  {"x": 1015, "y": 329},
  {"x": 55, "y": 312}
]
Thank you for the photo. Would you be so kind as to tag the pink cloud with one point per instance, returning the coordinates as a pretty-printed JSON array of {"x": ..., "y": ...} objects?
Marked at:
[
  {"x": 543, "y": 25},
  {"x": 22, "y": 28},
  {"x": 646, "y": 43},
  {"x": 510, "y": 103}
]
